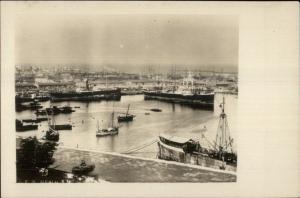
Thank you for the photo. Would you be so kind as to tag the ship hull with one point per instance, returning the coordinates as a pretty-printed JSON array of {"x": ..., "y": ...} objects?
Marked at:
[
  {"x": 170, "y": 153},
  {"x": 125, "y": 118},
  {"x": 86, "y": 96},
  {"x": 205, "y": 102},
  {"x": 62, "y": 127},
  {"x": 101, "y": 134}
]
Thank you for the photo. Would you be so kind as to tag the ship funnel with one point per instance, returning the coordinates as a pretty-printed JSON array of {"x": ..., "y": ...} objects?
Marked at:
[{"x": 87, "y": 84}]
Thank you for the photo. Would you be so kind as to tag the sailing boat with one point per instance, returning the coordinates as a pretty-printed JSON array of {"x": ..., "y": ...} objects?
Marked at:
[
  {"x": 111, "y": 130},
  {"x": 126, "y": 117},
  {"x": 51, "y": 134}
]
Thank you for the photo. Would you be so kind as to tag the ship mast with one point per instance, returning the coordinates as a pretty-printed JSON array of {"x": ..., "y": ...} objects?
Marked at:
[
  {"x": 113, "y": 116},
  {"x": 112, "y": 119},
  {"x": 223, "y": 140},
  {"x": 87, "y": 84},
  {"x": 127, "y": 110}
]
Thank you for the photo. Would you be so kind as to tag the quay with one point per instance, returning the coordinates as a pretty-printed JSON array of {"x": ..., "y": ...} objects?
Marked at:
[{"x": 115, "y": 167}]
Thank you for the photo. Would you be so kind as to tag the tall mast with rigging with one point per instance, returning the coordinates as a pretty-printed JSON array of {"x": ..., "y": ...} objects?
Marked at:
[
  {"x": 127, "y": 110},
  {"x": 223, "y": 140}
]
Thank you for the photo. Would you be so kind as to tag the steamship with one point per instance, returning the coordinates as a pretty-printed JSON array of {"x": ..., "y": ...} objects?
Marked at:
[
  {"x": 87, "y": 95},
  {"x": 202, "y": 98}
]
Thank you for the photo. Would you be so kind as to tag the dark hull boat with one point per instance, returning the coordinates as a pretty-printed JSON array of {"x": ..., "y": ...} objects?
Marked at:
[
  {"x": 86, "y": 95},
  {"x": 83, "y": 168},
  {"x": 20, "y": 127},
  {"x": 52, "y": 135},
  {"x": 55, "y": 110},
  {"x": 156, "y": 110},
  {"x": 37, "y": 120},
  {"x": 197, "y": 100},
  {"x": 61, "y": 127},
  {"x": 29, "y": 98},
  {"x": 31, "y": 106},
  {"x": 66, "y": 110},
  {"x": 220, "y": 154},
  {"x": 126, "y": 117}
]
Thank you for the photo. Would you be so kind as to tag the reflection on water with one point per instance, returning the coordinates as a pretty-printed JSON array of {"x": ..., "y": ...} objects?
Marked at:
[{"x": 174, "y": 119}]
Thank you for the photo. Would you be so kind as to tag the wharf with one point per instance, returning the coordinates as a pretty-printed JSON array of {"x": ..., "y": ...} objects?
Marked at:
[{"x": 114, "y": 167}]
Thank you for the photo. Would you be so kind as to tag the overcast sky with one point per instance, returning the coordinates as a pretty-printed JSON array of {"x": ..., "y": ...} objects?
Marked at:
[{"x": 127, "y": 40}]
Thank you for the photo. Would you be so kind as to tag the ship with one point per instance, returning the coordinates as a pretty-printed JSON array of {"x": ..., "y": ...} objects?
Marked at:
[
  {"x": 111, "y": 130},
  {"x": 86, "y": 95},
  {"x": 31, "y": 97},
  {"x": 31, "y": 106},
  {"x": 186, "y": 94},
  {"x": 54, "y": 110},
  {"x": 83, "y": 168},
  {"x": 218, "y": 155},
  {"x": 61, "y": 127},
  {"x": 21, "y": 127},
  {"x": 37, "y": 120},
  {"x": 51, "y": 134},
  {"x": 126, "y": 117}
]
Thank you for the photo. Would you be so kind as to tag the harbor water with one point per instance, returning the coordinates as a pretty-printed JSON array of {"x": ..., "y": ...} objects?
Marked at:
[{"x": 139, "y": 135}]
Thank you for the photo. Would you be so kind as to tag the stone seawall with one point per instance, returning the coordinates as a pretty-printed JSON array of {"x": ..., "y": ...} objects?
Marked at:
[{"x": 115, "y": 167}]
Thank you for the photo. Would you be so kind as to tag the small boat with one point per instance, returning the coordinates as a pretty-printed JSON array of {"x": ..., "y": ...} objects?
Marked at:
[
  {"x": 55, "y": 110},
  {"x": 20, "y": 127},
  {"x": 107, "y": 132},
  {"x": 61, "y": 127},
  {"x": 147, "y": 113},
  {"x": 126, "y": 117},
  {"x": 51, "y": 134},
  {"x": 37, "y": 120},
  {"x": 31, "y": 106},
  {"x": 156, "y": 110},
  {"x": 83, "y": 168},
  {"x": 48, "y": 111},
  {"x": 112, "y": 130},
  {"x": 66, "y": 110}
]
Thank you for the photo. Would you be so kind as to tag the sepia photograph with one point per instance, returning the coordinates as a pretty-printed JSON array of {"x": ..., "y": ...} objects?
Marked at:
[
  {"x": 126, "y": 98},
  {"x": 150, "y": 99}
]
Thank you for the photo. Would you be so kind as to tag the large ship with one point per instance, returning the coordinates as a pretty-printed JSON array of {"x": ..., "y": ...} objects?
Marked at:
[
  {"x": 87, "y": 95},
  {"x": 219, "y": 154},
  {"x": 202, "y": 98}
]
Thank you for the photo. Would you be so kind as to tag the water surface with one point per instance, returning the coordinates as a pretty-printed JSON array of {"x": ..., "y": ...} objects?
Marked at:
[{"x": 175, "y": 119}]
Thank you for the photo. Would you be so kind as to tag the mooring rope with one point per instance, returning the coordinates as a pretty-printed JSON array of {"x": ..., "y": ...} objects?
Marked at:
[{"x": 139, "y": 147}]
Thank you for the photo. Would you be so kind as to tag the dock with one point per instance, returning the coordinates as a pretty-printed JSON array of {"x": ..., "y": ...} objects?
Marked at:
[{"x": 115, "y": 167}]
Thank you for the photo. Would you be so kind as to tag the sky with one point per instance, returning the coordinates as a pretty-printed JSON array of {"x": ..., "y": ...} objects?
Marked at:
[{"x": 128, "y": 41}]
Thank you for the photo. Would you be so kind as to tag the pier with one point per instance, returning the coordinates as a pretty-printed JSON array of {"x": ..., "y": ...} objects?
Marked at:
[{"x": 115, "y": 167}]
